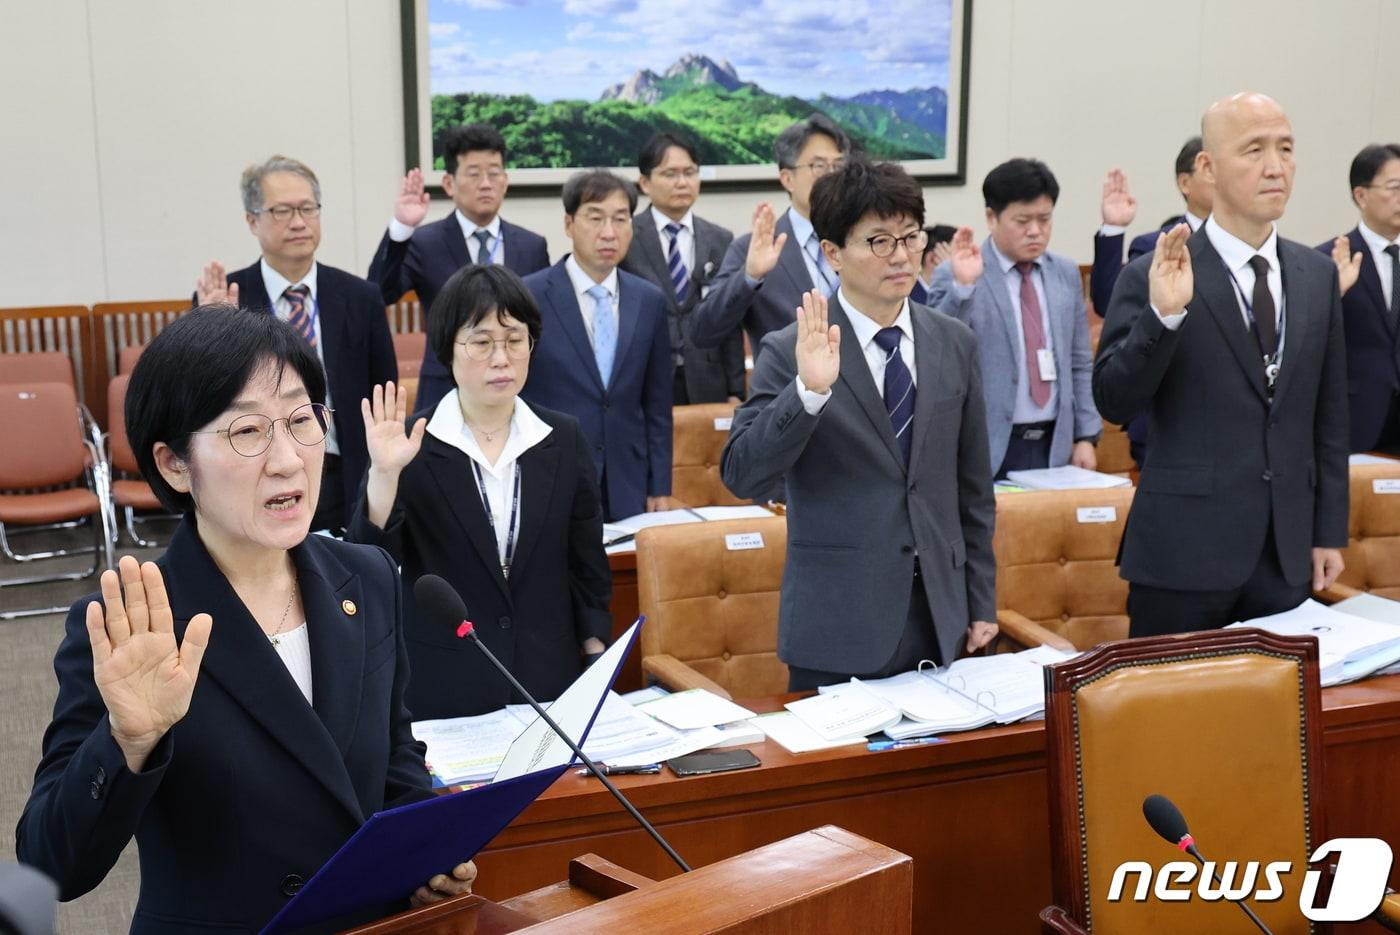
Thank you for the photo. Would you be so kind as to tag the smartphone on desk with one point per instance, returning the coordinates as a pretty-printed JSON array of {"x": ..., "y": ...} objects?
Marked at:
[{"x": 712, "y": 761}]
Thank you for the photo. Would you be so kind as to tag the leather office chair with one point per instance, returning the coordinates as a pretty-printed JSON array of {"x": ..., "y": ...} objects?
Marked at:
[
  {"x": 1057, "y": 581},
  {"x": 1114, "y": 452},
  {"x": 126, "y": 360},
  {"x": 129, "y": 493},
  {"x": 698, "y": 436},
  {"x": 712, "y": 611},
  {"x": 1372, "y": 555},
  {"x": 1228, "y": 725}
]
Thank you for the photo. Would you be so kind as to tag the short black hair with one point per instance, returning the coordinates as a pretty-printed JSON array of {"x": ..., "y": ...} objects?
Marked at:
[
  {"x": 937, "y": 234},
  {"x": 789, "y": 143},
  {"x": 1370, "y": 161},
  {"x": 1186, "y": 159},
  {"x": 194, "y": 369},
  {"x": 472, "y": 293},
  {"x": 471, "y": 138},
  {"x": 595, "y": 185},
  {"x": 654, "y": 151},
  {"x": 841, "y": 198},
  {"x": 1018, "y": 180}
]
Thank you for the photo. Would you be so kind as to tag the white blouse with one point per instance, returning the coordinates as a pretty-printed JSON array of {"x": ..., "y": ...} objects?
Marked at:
[{"x": 294, "y": 649}]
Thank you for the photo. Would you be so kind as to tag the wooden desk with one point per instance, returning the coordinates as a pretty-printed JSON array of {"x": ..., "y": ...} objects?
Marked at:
[{"x": 972, "y": 812}]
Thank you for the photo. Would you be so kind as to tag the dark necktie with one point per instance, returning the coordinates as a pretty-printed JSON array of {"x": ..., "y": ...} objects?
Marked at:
[
  {"x": 483, "y": 251},
  {"x": 680, "y": 276},
  {"x": 899, "y": 390},
  {"x": 1033, "y": 331},
  {"x": 1394, "y": 252},
  {"x": 296, "y": 316},
  {"x": 1265, "y": 315}
]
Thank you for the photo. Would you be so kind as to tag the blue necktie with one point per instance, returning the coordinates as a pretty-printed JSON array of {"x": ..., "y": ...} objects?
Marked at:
[
  {"x": 830, "y": 282},
  {"x": 680, "y": 276},
  {"x": 604, "y": 332},
  {"x": 899, "y": 390},
  {"x": 483, "y": 250}
]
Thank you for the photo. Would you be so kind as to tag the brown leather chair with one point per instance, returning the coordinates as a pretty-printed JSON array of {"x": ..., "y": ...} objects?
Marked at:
[
  {"x": 698, "y": 436},
  {"x": 36, "y": 367},
  {"x": 408, "y": 350},
  {"x": 126, "y": 362},
  {"x": 129, "y": 493},
  {"x": 1114, "y": 452},
  {"x": 1227, "y": 724},
  {"x": 712, "y": 611},
  {"x": 1057, "y": 578},
  {"x": 1372, "y": 555}
]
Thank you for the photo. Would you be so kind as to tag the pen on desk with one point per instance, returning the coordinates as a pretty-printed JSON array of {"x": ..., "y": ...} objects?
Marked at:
[
  {"x": 621, "y": 539},
  {"x": 642, "y": 769},
  {"x": 877, "y": 745}
]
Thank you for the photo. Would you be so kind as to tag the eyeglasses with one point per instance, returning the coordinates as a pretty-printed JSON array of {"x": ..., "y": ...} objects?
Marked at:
[
  {"x": 882, "y": 245},
  {"x": 250, "y": 435},
  {"x": 475, "y": 175},
  {"x": 821, "y": 166},
  {"x": 672, "y": 175},
  {"x": 1390, "y": 188},
  {"x": 481, "y": 347},
  {"x": 283, "y": 213}
]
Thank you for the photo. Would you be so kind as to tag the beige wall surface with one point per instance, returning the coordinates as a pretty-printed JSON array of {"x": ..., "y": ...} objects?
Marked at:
[{"x": 125, "y": 125}]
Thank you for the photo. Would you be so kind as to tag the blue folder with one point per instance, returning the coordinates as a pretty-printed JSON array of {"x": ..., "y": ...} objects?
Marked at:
[{"x": 400, "y": 849}]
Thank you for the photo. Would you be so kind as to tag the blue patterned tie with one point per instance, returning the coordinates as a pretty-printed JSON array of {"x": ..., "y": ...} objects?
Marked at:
[
  {"x": 899, "y": 390},
  {"x": 680, "y": 276},
  {"x": 604, "y": 332},
  {"x": 830, "y": 282},
  {"x": 296, "y": 316},
  {"x": 483, "y": 250}
]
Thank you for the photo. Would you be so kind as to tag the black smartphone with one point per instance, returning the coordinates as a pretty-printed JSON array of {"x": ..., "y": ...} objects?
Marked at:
[{"x": 712, "y": 761}]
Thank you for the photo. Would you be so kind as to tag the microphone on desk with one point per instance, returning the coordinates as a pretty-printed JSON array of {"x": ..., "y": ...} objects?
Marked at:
[
  {"x": 1166, "y": 819},
  {"x": 438, "y": 601}
]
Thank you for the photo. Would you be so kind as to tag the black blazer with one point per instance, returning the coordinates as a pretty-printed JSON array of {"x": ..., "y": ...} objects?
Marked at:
[
  {"x": 357, "y": 348},
  {"x": 1223, "y": 462},
  {"x": 425, "y": 262},
  {"x": 714, "y": 374},
  {"x": 1108, "y": 261},
  {"x": 253, "y": 790},
  {"x": 559, "y": 586},
  {"x": 1373, "y": 357}
]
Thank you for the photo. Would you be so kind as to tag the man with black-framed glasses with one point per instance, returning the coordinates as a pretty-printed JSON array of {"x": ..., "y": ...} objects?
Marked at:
[{"x": 339, "y": 314}]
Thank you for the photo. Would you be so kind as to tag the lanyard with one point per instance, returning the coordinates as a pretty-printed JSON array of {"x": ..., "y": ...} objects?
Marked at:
[
  {"x": 490, "y": 515},
  {"x": 1271, "y": 361}
]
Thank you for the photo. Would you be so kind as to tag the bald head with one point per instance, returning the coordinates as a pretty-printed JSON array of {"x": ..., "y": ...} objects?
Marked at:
[
  {"x": 1225, "y": 118},
  {"x": 1247, "y": 157}
]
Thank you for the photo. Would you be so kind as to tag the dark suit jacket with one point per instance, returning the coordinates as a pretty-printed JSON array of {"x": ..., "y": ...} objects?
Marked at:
[
  {"x": 1108, "y": 261},
  {"x": 1373, "y": 357},
  {"x": 559, "y": 587},
  {"x": 425, "y": 262},
  {"x": 627, "y": 425},
  {"x": 358, "y": 350},
  {"x": 1224, "y": 463},
  {"x": 254, "y": 789},
  {"x": 769, "y": 306},
  {"x": 712, "y": 375},
  {"x": 856, "y": 515}
]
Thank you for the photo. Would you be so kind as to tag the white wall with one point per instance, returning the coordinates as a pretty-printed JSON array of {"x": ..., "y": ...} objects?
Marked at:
[{"x": 125, "y": 126}]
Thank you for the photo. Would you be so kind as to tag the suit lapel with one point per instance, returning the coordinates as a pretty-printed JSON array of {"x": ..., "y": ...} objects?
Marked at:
[
  {"x": 1297, "y": 316},
  {"x": 996, "y": 281},
  {"x": 252, "y": 291},
  {"x": 538, "y": 466},
  {"x": 244, "y": 664},
  {"x": 1370, "y": 277},
  {"x": 456, "y": 241},
  {"x": 646, "y": 238},
  {"x": 563, "y": 304},
  {"x": 856, "y": 375},
  {"x": 1214, "y": 290},
  {"x": 452, "y": 472},
  {"x": 629, "y": 309},
  {"x": 930, "y": 364},
  {"x": 790, "y": 258}
]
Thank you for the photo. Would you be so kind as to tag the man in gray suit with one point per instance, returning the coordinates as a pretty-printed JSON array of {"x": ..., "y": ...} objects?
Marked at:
[
  {"x": 680, "y": 253},
  {"x": 872, "y": 413},
  {"x": 764, "y": 273},
  {"x": 1232, "y": 342},
  {"x": 1026, "y": 306}
]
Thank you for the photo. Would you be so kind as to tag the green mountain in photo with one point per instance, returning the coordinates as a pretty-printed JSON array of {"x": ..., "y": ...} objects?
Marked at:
[{"x": 732, "y": 122}]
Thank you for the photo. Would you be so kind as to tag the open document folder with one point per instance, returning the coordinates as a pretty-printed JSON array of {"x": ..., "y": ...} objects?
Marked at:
[{"x": 398, "y": 850}]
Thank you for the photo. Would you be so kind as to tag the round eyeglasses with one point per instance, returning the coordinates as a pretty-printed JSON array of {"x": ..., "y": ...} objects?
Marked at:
[
  {"x": 882, "y": 245},
  {"x": 481, "y": 347},
  {"x": 250, "y": 435}
]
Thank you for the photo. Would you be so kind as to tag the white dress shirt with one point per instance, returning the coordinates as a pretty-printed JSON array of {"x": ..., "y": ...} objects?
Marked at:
[
  {"x": 276, "y": 284},
  {"x": 526, "y": 431},
  {"x": 802, "y": 231},
  {"x": 685, "y": 240},
  {"x": 294, "y": 649},
  {"x": 1377, "y": 245},
  {"x": 582, "y": 282},
  {"x": 399, "y": 232},
  {"x": 863, "y": 329}
]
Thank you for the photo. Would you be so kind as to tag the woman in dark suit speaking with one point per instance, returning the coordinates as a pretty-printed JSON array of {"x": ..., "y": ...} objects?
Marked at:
[
  {"x": 238, "y": 705},
  {"x": 499, "y": 499}
]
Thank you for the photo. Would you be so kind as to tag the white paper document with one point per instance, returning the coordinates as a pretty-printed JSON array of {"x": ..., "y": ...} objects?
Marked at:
[
  {"x": 743, "y": 511},
  {"x": 1065, "y": 477},
  {"x": 845, "y": 711},
  {"x": 788, "y": 731},
  {"x": 1349, "y": 646},
  {"x": 695, "y": 708},
  {"x": 467, "y": 749}
]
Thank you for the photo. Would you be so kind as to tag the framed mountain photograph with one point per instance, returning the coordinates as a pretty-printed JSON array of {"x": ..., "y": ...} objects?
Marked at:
[{"x": 583, "y": 83}]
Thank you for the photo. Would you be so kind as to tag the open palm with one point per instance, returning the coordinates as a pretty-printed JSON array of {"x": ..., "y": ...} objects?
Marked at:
[{"x": 390, "y": 448}]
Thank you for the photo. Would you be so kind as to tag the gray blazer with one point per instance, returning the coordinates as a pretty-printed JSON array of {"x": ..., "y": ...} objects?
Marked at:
[
  {"x": 712, "y": 374},
  {"x": 856, "y": 516},
  {"x": 988, "y": 310}
]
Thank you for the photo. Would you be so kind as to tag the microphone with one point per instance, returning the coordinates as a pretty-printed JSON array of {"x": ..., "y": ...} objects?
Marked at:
[
  {"x": 1166, "y": 819},
  {"x": 438, "y": 600}
]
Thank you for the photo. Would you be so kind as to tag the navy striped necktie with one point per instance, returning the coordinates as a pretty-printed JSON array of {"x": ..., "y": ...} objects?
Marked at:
[{"x": 899, "y": 390}]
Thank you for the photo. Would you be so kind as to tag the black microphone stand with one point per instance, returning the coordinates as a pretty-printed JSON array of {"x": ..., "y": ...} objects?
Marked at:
[{"x": 1191, "y": 849}]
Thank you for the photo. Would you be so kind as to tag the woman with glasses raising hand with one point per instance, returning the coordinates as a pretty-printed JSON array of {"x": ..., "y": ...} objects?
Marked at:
[
  {"x": 497, "y": 498},
  {"x": 237, "y": 706}
]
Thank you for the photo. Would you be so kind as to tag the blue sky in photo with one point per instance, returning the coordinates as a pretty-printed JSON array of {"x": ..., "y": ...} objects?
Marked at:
[{"x": 573, "y": 49}]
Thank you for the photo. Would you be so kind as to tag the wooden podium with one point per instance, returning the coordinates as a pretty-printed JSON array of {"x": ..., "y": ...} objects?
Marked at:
[{"x": 822, "y": 881}]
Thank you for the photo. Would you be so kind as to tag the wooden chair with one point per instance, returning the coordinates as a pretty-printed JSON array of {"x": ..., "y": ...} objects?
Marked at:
[
  {"x": 1372, "y": 555},
  {"x": 119, "y": 325},
  {"x": 129, "y": 493},
  {"x": 408, "y": 350},
  {"x": 711, "y": 609},
  {"x": 698, "y": 436}
]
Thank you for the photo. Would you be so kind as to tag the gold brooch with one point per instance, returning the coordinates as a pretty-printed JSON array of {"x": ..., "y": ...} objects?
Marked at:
[{"x": 349, "y": 607}]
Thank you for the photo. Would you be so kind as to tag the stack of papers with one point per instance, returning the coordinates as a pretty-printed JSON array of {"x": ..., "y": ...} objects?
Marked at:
[
  {"x": 467, "y": 749},
  {"x": 792, "y": 734},
  {"x": 693, "y": 709},
  {"x": 629, "y": 527},
  {"x": 1379, "y": 609},
  {"x": 1350, "y": 646},
  {"x": 845, "y": 712},
  {"x": 1066, "y": 477}
]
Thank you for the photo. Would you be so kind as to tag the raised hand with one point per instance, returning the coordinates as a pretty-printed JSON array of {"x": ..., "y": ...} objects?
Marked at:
[
  {"x": 966, "y": 257},
  {"x": 940, "y": 254},
  {"x": 1348, "y": 263},
  {"x": 818, "y": 344},
  {"x": 213, "y": 288},
  {"x": 1119, "y": 206},
  {"x": 1170, "y": 281},
  {"x": 390, "y": 449},
  {"x": 145, "y": 679},
  {"x": 764, "y": 248},
  {"x": 411, "y": 207}
]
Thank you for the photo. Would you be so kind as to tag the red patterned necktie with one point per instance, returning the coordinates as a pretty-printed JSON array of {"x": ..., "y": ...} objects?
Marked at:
[{"x": 1033, "y": 328}]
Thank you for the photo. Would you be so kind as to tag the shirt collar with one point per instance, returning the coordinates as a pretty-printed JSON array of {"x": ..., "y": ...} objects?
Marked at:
[
  {"x": 583, "y": 282},
  {"x": 276, "y": 284},
  {"x": 1192, "y": 221},
  {"x": 526, "y": 431},
  {"x": 1375, "y": 241},
  {"x": 1235, "y": 252},
  {"x": 802, "y": 229},
  {"x": 1005, "y": 263},
  {"x": 470, "y": 227},
  {"x": 864, "y": 328},
  {"x": 661, "y": 220}
]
